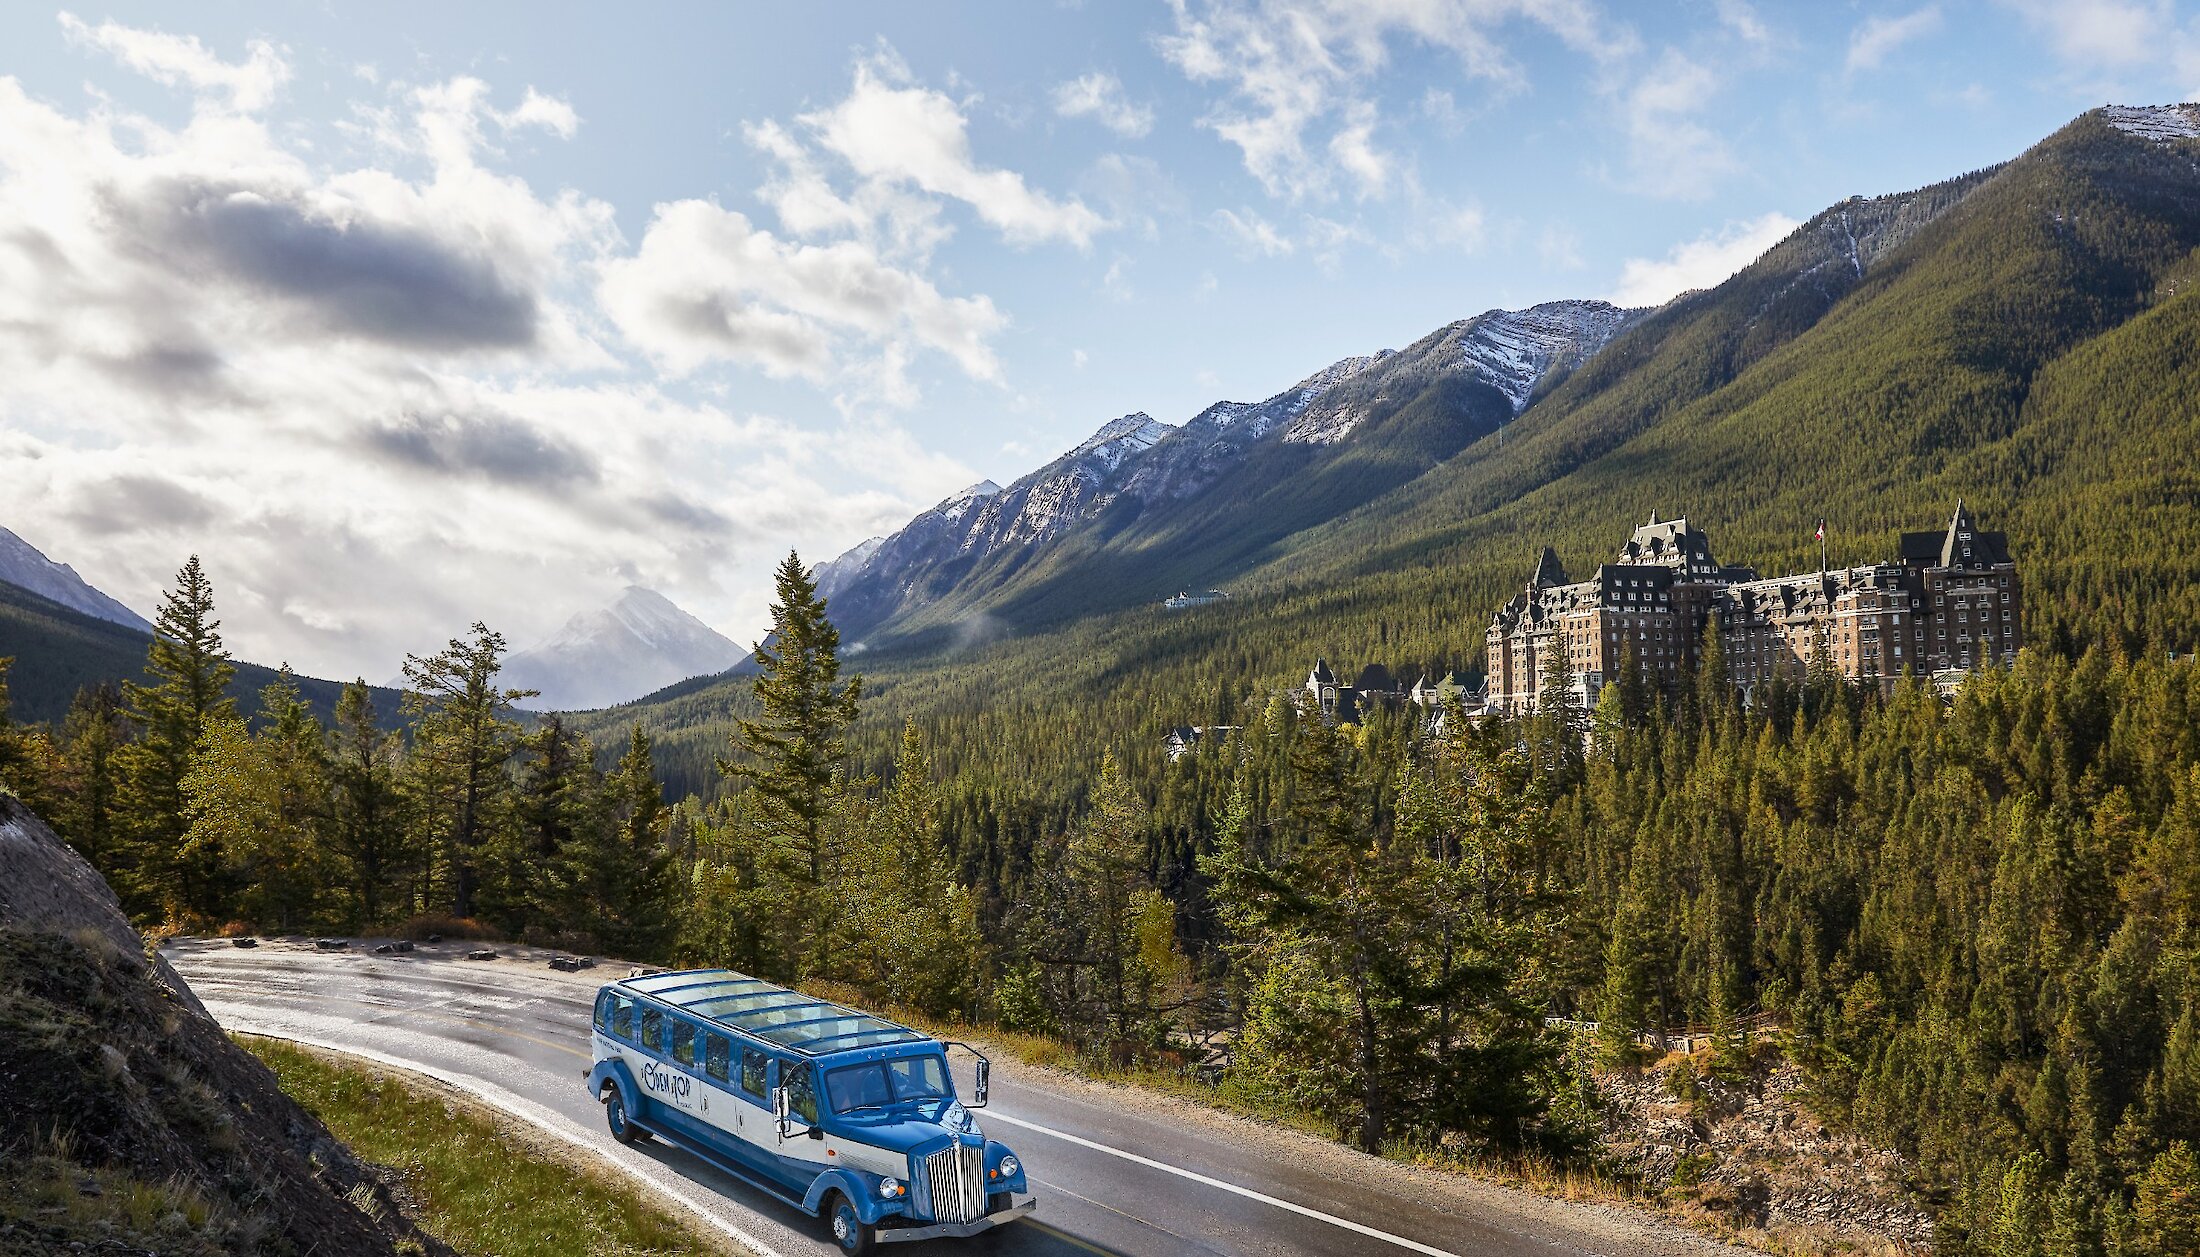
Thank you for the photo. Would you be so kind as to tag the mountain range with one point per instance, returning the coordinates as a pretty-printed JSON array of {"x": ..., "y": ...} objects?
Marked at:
[
  {"x": 2021, "y": 336},
  {"x": 1147, "y": 507}
]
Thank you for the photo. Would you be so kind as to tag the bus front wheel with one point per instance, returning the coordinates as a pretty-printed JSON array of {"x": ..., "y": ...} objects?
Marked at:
[
  {"x": 852, "y": 1233},
  {"x": 621, "y": 1122}
]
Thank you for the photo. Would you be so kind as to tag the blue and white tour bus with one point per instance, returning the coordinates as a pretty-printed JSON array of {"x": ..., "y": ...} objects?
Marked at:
[{"x": 850, "y": 1117}]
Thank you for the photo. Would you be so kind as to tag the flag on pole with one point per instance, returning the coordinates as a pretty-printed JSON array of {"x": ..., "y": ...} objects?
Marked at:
[{"x": 1821, "y": 534}]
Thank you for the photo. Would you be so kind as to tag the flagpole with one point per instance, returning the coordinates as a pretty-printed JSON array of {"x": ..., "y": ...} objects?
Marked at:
[{"x": 1821, "y": 546}]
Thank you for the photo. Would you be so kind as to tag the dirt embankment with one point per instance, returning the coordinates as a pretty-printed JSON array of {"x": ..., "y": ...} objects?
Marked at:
[
  {"x": 1748, "y": 1152},
  {"x": 128, "y": 1122}
]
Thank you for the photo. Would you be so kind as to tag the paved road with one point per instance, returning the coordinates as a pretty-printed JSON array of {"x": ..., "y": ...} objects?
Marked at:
[{"x": 1113, "y": 1173}]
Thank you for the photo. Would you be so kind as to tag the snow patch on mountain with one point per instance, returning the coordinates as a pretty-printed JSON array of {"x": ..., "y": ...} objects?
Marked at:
[
  {"x": 835, "y": 574},
  {"x": 2159, "y": 123},
  {"x": 959, "y": 505},
  {"x": 22, "y": 564},
  {"x": 1118, "y": 440},
  {"x": 1512, "y": 350}
]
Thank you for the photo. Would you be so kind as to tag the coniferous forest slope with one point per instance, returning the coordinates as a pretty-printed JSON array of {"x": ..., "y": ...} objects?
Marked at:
[{"x": 2023, "y": 337}]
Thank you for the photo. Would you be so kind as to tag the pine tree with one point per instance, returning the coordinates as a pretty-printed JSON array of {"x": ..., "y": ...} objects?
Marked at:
[
  {"x": 366, "y": 836},
  {"x": 463, "y": 736},
  {"x": 792, "y": 756},
  {"x": 87, "y": 785},
  {"x": 187, "y": 675}
]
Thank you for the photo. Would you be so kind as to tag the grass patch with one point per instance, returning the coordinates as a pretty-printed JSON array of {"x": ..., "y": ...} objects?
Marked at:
[{"x": 469, "y": 1179}]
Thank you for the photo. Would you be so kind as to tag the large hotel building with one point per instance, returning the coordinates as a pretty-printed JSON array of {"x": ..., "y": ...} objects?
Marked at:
[{"x": 1948, "y": 602}]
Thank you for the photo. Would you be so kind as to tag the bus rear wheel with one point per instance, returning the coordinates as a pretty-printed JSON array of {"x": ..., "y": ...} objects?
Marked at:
[
  {"x": 621, "y": 1122},
  {"x": 852, "y": 1233}
]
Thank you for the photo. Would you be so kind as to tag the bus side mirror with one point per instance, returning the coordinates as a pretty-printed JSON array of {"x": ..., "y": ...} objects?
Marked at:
[
  {"x": 781, "y": 1107},
  {"x": 985, "y": 1079}
]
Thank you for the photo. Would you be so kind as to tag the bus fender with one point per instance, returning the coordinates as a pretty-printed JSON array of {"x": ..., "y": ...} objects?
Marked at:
[
  {"x": 613, "y": 1071},
  {"x": 863, "y": 1195}
]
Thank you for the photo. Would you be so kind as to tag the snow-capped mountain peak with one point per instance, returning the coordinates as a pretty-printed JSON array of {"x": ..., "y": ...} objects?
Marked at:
[
  {"x": 641, "y": 642},
  {"x": 22, "y": 564},
  {"x": 959, "y": 505},
  {"x": 1120, "y": 438}
]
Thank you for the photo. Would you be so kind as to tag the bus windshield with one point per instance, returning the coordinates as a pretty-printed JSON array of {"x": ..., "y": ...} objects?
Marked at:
[{"x": 876, "y": 1084}]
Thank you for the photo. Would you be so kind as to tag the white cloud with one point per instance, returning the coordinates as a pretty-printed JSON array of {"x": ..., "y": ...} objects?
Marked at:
[
  {"x": 1671, "y": 152},
  {"x": 707, "y": 284},
  {"x": 891, "y": 130},
  {"x": 1100, "y": 97},
  {"x": 1876, "y": 37},
  {"x": 1253, "y": 233},
  {"x": 2102, "y": 35},
  {"x": 1297, "y": 76},
  {"x": 1700, "y": 263},
  {"x": 1740, "y": 17},
  {"x": 182, "y": 61},
  {"x": 373, "y": 395}
]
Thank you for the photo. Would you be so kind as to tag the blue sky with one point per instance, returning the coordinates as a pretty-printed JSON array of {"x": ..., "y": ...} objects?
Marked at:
[{"x": 406, "y": 315}]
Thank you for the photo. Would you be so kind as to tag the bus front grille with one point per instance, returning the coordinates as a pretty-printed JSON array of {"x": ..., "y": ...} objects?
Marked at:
[{"x": 955, "y": 1177}]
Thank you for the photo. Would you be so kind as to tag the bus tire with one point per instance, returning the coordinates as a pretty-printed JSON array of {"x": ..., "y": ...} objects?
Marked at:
[
  {"x": 616, "y": 1116},
  {"x": 855, "y": 1236}
]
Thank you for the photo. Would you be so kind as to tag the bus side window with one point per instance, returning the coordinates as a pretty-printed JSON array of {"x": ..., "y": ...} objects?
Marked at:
[
  {"x": 622, "y": 1016},
  {"x": 683, "y": 1042},
  {"x": 752, "y": 1071},
  {"x": 801, "y": 1093},
  {"x": 653, "y": 1029},
  {"x": 717, "y": 1056},
  {"x": 603, "y": 1011}
]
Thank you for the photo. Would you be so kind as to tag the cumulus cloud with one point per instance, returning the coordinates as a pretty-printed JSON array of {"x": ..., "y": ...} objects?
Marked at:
[
  {"x": 706, "y": 283},
  {"x": 890, "y": 129},
  {"x": 1100, "y": 97},
  {"x": 1297, "y": 76},
  {"x": 1876, "y": 37},
  {"x": 379, "y": 395},
  {"x": 1700, "y": 263}
]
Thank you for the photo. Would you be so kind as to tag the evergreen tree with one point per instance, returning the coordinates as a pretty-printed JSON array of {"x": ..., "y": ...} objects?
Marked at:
[
  {"x": 463, "y": 736},
  {"x": 86, "y": 785},
  {"x": 187, "y": 674},
  {"x": 791, "y": 755},
  {"x": 366, "y": 834}
]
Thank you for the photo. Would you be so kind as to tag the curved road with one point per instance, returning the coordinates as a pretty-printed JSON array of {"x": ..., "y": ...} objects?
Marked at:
[{"x": 1115, "y": 1171}]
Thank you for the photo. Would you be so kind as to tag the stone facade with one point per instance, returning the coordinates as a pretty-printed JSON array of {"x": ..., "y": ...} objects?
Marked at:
[{"x": 1948, "y": 603}]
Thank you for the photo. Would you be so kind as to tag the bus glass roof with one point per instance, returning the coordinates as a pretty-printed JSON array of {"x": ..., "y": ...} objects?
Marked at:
[{"x": 775, "y": 1014}]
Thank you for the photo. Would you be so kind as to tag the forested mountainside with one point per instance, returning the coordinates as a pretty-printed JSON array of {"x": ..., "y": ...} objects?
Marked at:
[
  {"x": 2022, "y": 337},
  {"x": 61, "y": 655}
]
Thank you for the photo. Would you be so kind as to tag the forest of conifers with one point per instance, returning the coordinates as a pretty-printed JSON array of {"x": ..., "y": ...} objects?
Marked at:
[{"x": 1975, "y": 922}]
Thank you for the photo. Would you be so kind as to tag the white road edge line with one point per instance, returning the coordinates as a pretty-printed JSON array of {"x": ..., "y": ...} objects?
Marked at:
[
  {"x": 1247, "y": 1192},
  {"x": 507, "y": 1103}
]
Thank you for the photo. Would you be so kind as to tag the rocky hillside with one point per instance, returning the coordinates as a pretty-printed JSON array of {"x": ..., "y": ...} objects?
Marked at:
[
  {"x": 134, "y": 1126},
  {"x": 1749, "y": 1153}
]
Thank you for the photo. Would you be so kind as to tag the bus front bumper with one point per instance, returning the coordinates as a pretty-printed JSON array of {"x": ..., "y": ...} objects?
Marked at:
[{"x": 957, "y": 1230}]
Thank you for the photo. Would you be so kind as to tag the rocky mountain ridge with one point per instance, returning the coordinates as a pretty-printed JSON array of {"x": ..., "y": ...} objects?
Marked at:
[
  {"x": 1135, "y": 466},
  {"x": 24, "y": 565}
]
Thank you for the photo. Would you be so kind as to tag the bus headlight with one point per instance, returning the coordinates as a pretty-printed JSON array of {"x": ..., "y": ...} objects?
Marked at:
[
  {"x": 1009, "y": 1166},
  {"x": 889, "y": 1188}
]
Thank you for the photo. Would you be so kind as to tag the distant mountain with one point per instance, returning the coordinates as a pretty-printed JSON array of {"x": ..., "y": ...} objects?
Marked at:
[
  {"x": 22, "y": 565},
  {"x": 639, "y": 644},
  {"x": 1141, "y": 508}
]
